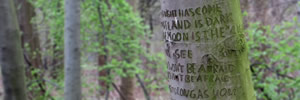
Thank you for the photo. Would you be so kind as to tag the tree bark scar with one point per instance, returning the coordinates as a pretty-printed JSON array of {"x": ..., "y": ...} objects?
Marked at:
[
  {"x": 167, "y": 50},
  {"x": 231, "y": 46},
  {"x": 209, "y": 59}
]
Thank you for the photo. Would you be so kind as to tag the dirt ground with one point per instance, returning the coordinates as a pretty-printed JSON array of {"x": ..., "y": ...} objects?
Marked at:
[{"x": 89, "y": 80}]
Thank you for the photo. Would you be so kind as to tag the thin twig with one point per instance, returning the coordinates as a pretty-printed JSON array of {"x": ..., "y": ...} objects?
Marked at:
[
  {"x": 143, "y": 87},
  {"x": 120, "y": 93}
]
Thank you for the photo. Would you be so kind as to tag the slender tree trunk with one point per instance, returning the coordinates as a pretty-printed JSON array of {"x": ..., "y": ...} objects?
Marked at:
[
  {"x": 101, "y": 62},
  {"x": 11, "y": 55},
  {"x": 25, "y": 14},
  {"x": 102, "y": 58},
  {"x": 128, "y": 82},
  {"x": 127, "y": 87},
  {"x": 298, "y": 11},
  {"x": 72, "y": 90},
  {"x": 206, "y": 49},
  {"x": 269, "y": 12}
]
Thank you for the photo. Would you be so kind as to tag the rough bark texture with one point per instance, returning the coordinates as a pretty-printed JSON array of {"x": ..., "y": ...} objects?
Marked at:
[
  {"x": 32, "y": 52},
  {"x": 206, "y": 49},
  {"x": 72, "y": 90},
  {"x": 101, "y": 62},
  {"x": 127, "y": 88},
  {"x": 11, "y": 56}
]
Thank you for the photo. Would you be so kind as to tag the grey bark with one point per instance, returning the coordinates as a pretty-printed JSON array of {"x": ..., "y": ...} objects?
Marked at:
[
  {"x": 206, "y": 50},
  {"x": 72, "y": 90},
  {"x": 32, "y": 53},
  {"x": 11, "y": 56}
]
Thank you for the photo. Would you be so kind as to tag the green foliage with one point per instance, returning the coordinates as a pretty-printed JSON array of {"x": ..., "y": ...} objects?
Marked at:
[
  {"x": 111, "y": 28},
  {"x": 274, "y": 55},
  {"x": 34, "y": 86},
  {"x": 119, "y": 27},
  {"x": 52, "y": 13},
  {"x": 123, "y": 33}
]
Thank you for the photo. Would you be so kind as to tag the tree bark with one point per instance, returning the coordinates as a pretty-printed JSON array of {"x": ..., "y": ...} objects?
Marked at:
[
  {"x": 128, "y": 82},
  {"x": 11, "y": 55},
  {"x": 102, "y": 58},
  {"x": 72, "y": 90},
  {"x": 25, "y": 14},
  {"x": 206, "y": 50},
  {"x": 127, "y": 87},
  {"x": 103, "y": 73}
]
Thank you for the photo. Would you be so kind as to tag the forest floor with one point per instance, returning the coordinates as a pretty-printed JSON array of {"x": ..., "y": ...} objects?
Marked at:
[
  {"x": 90, "y": 77},
  {"x": 90, "y": 91}
]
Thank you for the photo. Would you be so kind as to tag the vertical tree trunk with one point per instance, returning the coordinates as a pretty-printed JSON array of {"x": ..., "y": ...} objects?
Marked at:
[
  {"x": 102, "y": 58},
  {"x": 25, "y": 14},
  {"x": 206, "y": 49},
  {"x": 11, "y": 56},
  {"x": 101, "y": 62},
  {"x": 298, "y": 11},
  {"x": 72, "y": 90},
  {"x": 128, "y": 82},
  {"x": 269, "y": 12},
  {"x": 127, "y": 87}
]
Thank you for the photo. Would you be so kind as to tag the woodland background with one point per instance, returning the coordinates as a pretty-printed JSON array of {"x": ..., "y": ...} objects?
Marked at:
[{"x": 123, "y": 52}]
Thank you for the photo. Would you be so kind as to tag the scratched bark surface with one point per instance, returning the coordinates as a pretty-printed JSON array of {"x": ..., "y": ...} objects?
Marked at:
[{"x": 206, "y": 49}]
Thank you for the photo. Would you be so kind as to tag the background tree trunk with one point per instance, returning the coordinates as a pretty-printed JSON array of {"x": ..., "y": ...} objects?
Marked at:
[
  {"x": 206, "y": 49},
  {"x": 72, "y": 90},
  {"x": 101, "y": 62},
  {"x": 269, "y": 12},
  {"x": 102, "y": 58},
  {"x": 127, "y": 86},
  {"x": 298, "y": 10},
  {"x": 32, "y": 52},
  {"x": 11, "y": 55}
]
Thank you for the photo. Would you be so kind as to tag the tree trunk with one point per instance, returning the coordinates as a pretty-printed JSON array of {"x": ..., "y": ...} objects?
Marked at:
[
  {"x": 206, "y": 49},
  {"x": 102, "y": 58},
  {"x": 298, "y": 10},
  {"x": 72, "y": 90},
  {"x": 25, "y": 14},
  {"x": 127, "y": 87},
  {"x": 11, "y": 55},
  {"x": 103, "y": 73},
  {"x": 269, "y": 12},
  {"x": 128, "y": 82}
]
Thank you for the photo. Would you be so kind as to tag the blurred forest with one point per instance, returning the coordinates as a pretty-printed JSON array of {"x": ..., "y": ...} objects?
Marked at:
[{"x": 122, "y": 51}]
